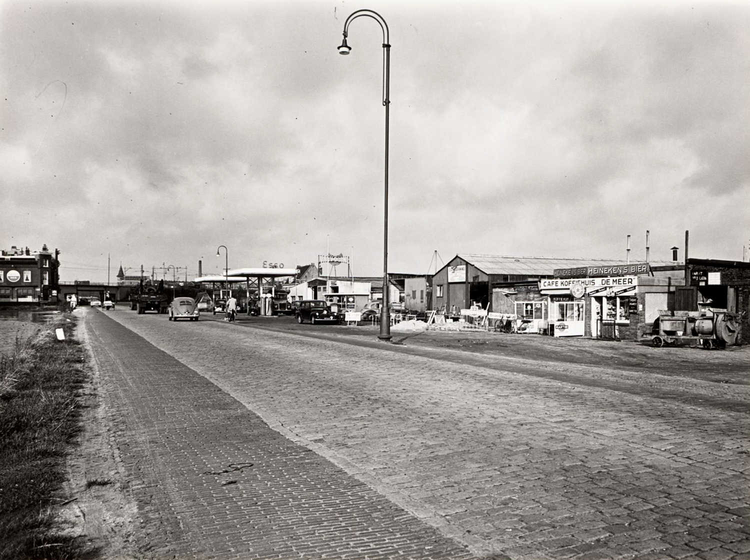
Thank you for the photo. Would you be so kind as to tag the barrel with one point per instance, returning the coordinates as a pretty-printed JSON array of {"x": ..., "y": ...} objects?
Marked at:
[{"x": 705, "y": 326}]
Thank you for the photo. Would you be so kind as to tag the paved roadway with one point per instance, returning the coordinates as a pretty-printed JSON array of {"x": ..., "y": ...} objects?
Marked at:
[{"x": 417, "y": 453}]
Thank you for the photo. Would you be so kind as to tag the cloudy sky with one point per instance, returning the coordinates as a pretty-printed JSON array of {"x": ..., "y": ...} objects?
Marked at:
[{"x": 152, "y": 132}]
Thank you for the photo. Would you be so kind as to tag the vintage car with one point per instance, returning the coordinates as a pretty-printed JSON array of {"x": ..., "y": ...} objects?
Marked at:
[
  {"x": 318, "y": 311},
  {"x": 204, "y": 302},
  {"x": 183, "y": 308},
  {"x": 219, "y": 306},
  {"x": 95, "y": 302},
  {"x": 371, "y": 310}
]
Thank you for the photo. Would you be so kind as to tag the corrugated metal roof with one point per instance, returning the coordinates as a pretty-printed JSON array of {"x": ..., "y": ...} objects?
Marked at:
[{"x": 535, "y": 266}]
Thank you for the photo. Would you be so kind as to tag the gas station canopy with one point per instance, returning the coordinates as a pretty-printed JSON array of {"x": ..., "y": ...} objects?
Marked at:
[{"x": 243, "y": 274}]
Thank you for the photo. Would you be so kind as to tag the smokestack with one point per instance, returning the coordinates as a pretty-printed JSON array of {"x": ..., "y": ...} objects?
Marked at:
[
  {"x": 687, "y": 272},
  {"x": 627, "y": 251},
  {"x": 200, "y": 268},
  {"x": 647, "y": 247}
]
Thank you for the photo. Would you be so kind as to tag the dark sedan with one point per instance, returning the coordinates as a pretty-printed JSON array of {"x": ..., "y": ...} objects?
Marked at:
[{"x": 318, "y": 311}]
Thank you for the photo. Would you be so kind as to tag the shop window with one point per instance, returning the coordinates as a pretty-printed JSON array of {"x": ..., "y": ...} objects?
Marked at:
[
  {"x": 6, "y": 293},
  {"x": 45, "y": 278},
  {"x": 24, "y": 292},
  {"x": 530, "y": 309},
  {"x": 570, "y": 311},
  {"x": 439, "y": 289},
  {"x": 617, "y": 309}
]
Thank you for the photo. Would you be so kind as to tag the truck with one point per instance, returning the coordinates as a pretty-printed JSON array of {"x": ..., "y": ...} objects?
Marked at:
[{"x": 149, "y": 298}]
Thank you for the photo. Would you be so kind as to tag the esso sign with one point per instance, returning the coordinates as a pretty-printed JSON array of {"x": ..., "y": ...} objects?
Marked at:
[
  {"x": 267, "y": 264},
  {"x": 13, "y": 276}
]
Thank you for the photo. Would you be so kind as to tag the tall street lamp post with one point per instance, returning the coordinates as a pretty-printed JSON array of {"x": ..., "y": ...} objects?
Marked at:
[
  {"x": 226, "y": 262},
  {"x": 345, "y": 49}
]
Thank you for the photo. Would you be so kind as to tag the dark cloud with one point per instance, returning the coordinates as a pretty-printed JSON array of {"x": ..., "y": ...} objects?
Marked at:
[{"x": 528, "y": 128}]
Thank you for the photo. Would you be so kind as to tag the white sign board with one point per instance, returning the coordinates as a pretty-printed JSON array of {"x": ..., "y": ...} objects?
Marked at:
[
  {"x": 714, "y": 278},
  {"x": 474, "y": 312},
  {"x": 353, "y": 316},
  {"x": 611, "y": 285},
  {"x": 457, "y": 273}
]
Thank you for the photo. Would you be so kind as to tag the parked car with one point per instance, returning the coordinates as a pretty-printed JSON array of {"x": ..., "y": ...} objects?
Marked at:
[
  {"x": 204, "y": 302},
  {"x": 109, "y": 304},
  {"x": 95, "y": 303},
  {"x": 219, "y": 306},
  {"x": 183, "y": 308},
  {"x": 318, "y": 311},
  {"x": 371, "y": 310}
]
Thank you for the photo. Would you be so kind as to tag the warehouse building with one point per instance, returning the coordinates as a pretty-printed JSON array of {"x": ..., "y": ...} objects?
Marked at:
[{"x": 468, "y": 279}]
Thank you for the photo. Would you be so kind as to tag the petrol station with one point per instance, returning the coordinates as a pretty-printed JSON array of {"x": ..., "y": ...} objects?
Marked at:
[{"x": 261, "y": 281}]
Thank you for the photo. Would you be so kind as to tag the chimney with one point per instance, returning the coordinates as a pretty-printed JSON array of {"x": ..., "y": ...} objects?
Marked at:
[
  {"x": 627, "y": 251},
  {"x": 687, "y": 272},
  {"x": 200, "y": 268},
  {"x": 647, "y": 247}
]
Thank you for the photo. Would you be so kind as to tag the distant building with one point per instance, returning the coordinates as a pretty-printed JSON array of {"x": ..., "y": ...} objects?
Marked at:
[
  {"x": 126, "y": 280},
  {"x": 29, "y": 276}
]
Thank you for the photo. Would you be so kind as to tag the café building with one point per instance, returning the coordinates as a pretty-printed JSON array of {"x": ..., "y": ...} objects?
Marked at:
[{"x": 612, "y": 301}]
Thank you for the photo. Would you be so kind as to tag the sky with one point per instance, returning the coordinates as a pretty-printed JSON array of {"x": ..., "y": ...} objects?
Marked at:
[{"x": 148, "y": 133}]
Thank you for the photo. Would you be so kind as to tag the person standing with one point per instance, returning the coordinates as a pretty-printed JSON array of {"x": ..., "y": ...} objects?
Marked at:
[
  {"x": 231, "y": 308},
  {"x": 73, "y": 302}
]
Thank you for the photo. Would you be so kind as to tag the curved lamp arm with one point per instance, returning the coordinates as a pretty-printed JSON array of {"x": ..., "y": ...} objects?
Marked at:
[
  {"x": 226, "y": 257},
  {"x": 345, "y": 49}
]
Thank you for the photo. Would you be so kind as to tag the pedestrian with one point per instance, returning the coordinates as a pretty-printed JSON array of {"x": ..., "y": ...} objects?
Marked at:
[
  {"x": 73, "y": 302},
  {"x": 231, "y": 308}
]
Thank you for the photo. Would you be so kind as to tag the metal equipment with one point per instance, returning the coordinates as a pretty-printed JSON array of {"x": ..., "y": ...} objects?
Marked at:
[{"x": 715, "y": 329}]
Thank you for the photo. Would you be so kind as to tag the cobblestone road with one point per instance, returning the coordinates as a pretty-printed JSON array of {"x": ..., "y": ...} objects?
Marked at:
[
  {"x": 211, "y": 479},
  {"x": 517, "y": 458}
]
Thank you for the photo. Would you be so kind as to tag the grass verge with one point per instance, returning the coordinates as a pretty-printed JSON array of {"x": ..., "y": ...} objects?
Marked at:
[{"x": 40, "y": 382}]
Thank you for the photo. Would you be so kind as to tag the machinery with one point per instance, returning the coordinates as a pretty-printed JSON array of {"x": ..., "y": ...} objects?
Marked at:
[
  {"x": 711, "y": 329},
  {"x": 150, "y": 298}
]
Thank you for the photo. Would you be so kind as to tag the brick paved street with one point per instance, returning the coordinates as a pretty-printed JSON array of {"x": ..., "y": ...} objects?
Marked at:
[
  {"x": 504, "y": 456},
  {"x": 210, "y": 479}
]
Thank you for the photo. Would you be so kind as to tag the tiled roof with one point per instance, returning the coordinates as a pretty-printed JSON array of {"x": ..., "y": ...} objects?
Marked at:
[{"x": 534, "y": 266}]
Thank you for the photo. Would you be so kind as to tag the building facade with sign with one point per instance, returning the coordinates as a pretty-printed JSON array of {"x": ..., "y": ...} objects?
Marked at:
[
  {"x": 470, "y": 279},
  {"x": 614, "y": 302},
  {"x": 29, "y": 276}
]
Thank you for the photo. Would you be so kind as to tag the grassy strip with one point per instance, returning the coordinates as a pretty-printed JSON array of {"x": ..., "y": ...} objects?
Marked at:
[{"x": 39, "y": 421}]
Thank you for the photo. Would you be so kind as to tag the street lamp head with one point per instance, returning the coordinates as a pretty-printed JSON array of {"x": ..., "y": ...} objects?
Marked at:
[
  {"x": 218, "y": 254},
  {"x": 344, "y": 48}
]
